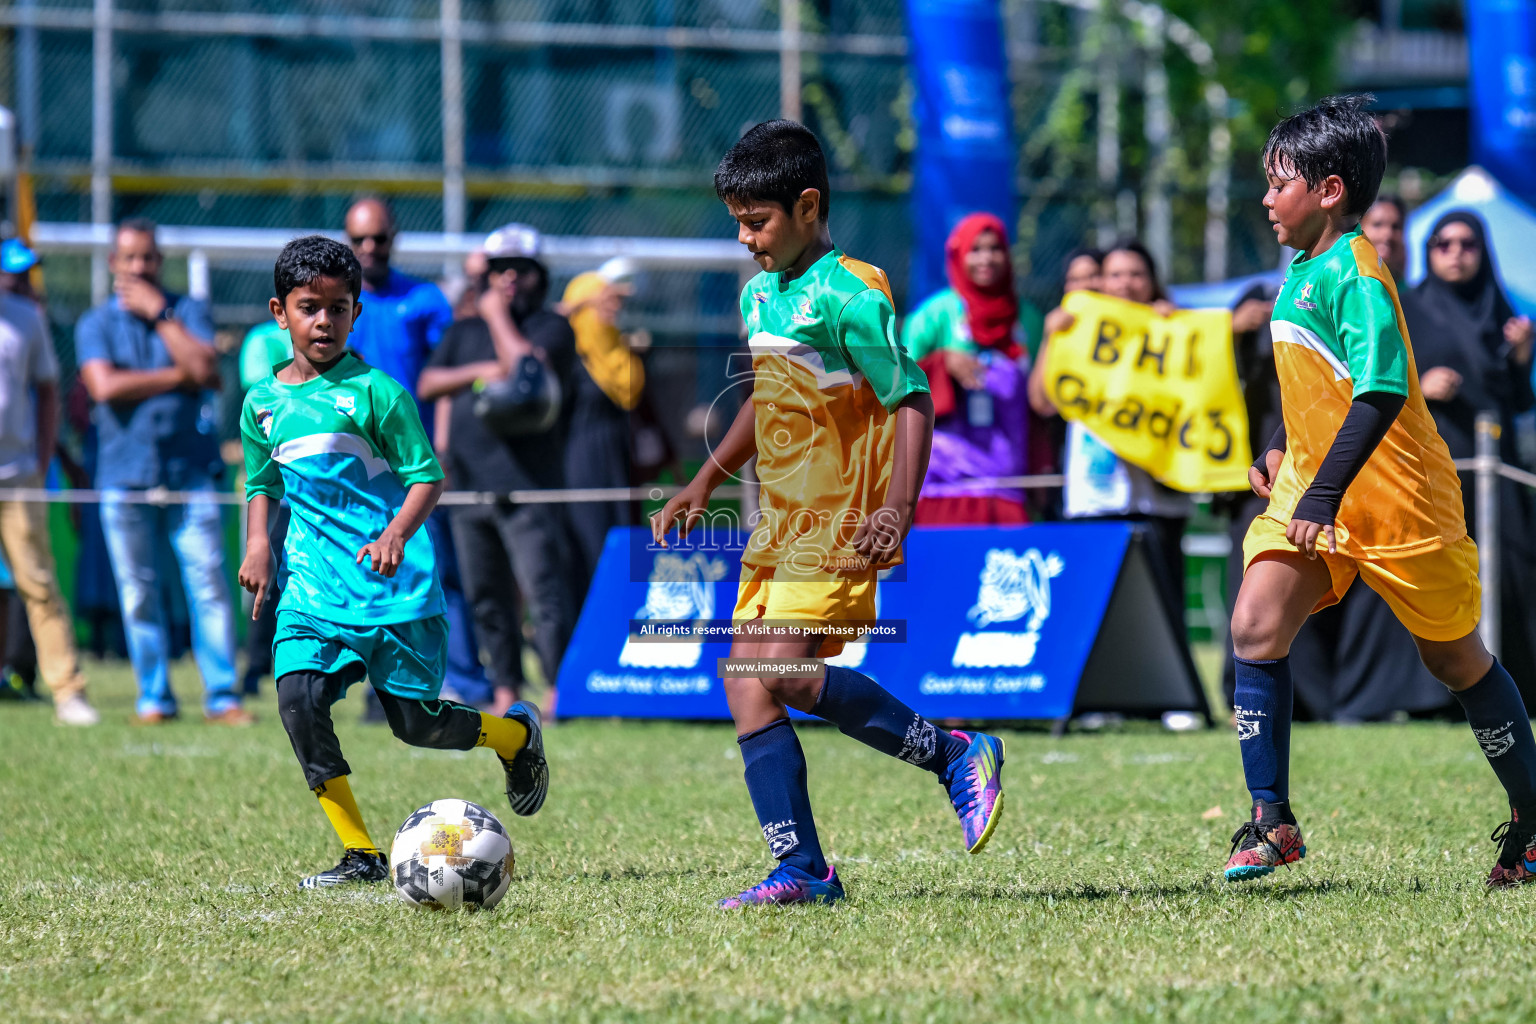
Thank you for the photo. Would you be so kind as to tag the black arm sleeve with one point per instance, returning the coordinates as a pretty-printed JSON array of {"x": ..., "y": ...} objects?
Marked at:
[
  {"x": 1276, "y": 444},
  {"x": 1370, "y": 416}
]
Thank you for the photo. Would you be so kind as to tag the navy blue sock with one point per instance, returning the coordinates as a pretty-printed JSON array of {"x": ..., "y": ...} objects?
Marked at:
[
  {"x": 1503, "y": 729},
  {"x": 776, "y": 781},
  {"x": 865, "y": 710},
  {"x": 1263, "y": 701}
]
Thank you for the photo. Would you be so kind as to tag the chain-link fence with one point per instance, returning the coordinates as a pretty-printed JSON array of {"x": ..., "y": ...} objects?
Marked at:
[{"x": 581, "y": 117}]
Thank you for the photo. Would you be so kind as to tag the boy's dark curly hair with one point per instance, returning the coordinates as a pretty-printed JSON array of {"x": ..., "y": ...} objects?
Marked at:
[
  {"x": 305, "y": 259},
  {"x": 774, "y": 162}
]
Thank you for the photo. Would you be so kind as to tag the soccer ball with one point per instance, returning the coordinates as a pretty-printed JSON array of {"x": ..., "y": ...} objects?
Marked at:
[{"x": 451, "y": 854}]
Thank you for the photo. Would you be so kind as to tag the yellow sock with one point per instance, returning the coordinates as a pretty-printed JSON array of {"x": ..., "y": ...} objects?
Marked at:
[
  {"x": 337, "y": 803},
  {"x": 502, "y": 735}
]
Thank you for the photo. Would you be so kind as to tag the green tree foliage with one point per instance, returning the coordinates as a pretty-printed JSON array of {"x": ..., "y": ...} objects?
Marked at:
[{"x": 1271, "y": 58}]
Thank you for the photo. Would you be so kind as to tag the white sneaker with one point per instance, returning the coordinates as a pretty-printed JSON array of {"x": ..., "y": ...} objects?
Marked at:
[{"x": 75, "y": 710}]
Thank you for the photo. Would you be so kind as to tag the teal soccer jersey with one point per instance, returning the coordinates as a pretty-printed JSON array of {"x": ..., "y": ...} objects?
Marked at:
[{"x": 343, "y": 449}]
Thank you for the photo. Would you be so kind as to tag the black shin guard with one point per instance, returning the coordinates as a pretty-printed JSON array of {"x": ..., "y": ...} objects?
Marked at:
[
  {"x": 439, "y": 724},
  {"x": 304, "y": 702}
]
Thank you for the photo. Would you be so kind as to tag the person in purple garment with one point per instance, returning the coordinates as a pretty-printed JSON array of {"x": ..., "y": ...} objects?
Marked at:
[{"x": 968, "y": 341}]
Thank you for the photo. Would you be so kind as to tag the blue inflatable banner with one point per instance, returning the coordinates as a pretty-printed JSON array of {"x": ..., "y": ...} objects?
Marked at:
[
  {"x": 988, "y": 623},
  {"x": 965, "y": 156},
  {"x": 1501, "y": 64}
]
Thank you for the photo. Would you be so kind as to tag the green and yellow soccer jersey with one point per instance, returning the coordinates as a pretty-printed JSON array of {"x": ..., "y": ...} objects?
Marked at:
[
  {"x": 1339, "y": 332},
  {"x": 828, "y": 374},
  {"x": 343, "y": 448}
]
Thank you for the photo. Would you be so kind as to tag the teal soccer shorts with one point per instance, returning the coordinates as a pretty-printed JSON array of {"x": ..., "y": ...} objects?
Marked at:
[{"x": 406, "y": 659}]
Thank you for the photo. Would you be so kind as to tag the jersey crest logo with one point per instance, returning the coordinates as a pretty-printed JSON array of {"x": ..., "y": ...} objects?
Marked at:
[
  {"x": 346, "y": 404},
  {"x": 805, "y": 317},
  {"x": 1304, "y": 300},
  {"x": 264, "y": 422},
  {"x": 759, "y": 297}
]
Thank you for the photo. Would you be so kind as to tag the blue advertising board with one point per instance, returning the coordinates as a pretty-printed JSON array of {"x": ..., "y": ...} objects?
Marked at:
[
  {"x": 965, "y": 156},
  {"x": 980, "y": 623}
]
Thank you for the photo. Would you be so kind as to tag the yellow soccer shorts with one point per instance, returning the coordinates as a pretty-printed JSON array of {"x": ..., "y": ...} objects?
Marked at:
[
  {"x": 766, "y": 594},
  {"x": 1436, "y": 595}
]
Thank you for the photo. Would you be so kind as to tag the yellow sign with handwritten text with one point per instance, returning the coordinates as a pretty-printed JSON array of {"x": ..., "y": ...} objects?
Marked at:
[{"x": 1161, "y": 392}]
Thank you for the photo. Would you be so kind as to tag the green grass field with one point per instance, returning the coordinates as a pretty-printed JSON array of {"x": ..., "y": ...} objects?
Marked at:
[{"x": 149, "y": 874}]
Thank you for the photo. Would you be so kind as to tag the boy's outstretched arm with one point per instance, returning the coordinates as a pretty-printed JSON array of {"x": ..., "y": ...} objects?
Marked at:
[
  {"x": 256, "y": 570},
  {"x": 389, "y": 549},
  {"x": 1370, "y": 416},
  {"x": 685, "y": 507},
  {"x": 879, "y": 536}
]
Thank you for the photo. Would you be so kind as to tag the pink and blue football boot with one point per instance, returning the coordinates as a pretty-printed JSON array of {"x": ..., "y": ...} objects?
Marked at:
[
  {"x": 788, "y": 884},
  {"x": 1517, "y": 853},
  {"x": 976, "y": 787},
  {"x": 1270, "y": 839}
]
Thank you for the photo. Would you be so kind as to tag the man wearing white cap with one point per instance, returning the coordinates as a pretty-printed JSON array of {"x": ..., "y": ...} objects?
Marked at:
[{"x": 513, "y": 336}]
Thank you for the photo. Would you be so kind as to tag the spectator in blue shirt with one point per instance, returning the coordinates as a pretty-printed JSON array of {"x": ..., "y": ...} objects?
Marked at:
[
  {"x": 402, "y": 321},
  {"x": 403, "y": 317},
  {"x": 146, "y": 357}
]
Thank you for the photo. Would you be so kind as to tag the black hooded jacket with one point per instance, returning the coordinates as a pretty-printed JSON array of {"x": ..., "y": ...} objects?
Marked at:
[{"x": 1461, "y": 326}]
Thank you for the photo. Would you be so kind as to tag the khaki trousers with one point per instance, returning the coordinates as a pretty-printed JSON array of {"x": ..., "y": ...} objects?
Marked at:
[{"x": 24, "y": 536}]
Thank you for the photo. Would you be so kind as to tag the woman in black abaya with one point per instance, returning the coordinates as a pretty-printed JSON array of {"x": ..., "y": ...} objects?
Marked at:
[{"x": 1474, "y": 355}]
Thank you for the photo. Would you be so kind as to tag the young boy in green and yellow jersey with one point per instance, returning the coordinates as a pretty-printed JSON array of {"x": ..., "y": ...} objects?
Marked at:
[
  {"x": 1359, "y": 484},
  {"x": 840, "y": 422}
]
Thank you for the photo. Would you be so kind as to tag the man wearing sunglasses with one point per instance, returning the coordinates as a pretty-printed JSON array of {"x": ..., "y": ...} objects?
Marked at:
[{"x": 403, "y": 317}]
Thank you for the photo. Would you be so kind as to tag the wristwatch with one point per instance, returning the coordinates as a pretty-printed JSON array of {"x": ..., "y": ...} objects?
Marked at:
[{"x": 167, "y": 314}]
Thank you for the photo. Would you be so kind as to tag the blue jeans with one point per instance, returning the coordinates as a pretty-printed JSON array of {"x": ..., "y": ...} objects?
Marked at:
[{"x": 197, "y": 540}]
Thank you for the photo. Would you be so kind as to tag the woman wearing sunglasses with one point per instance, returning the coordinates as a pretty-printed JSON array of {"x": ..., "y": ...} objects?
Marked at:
[{"x": 1474, "y": 355}]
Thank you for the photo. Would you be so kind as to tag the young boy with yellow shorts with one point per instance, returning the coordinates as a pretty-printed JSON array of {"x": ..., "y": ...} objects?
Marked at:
[
  {"x": 841, "y": 423},
  {"x": 1359, "y": 485}
]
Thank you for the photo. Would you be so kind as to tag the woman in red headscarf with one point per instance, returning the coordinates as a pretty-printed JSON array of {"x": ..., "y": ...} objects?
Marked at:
[{"x": 967, "y": 339}]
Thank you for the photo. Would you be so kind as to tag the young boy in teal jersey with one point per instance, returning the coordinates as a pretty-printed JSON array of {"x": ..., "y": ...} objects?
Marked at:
[
  {"x": 840, "y": 423},
  {"x": 360, "y": 595}
]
